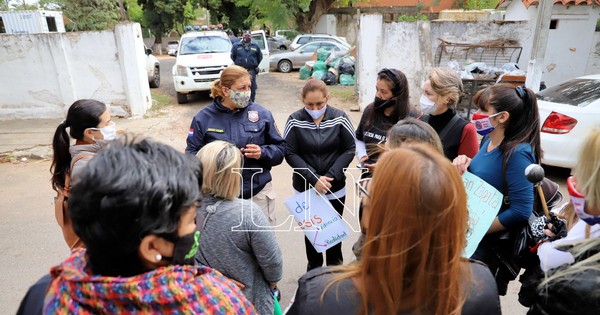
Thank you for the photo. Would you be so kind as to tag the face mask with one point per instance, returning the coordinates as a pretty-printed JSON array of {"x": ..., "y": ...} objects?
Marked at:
[
  {"x": 240, "y": 99},
  {"x": 578, "y": 201},
  {"x": 185, "y": 249},
  {"x": 427, "y": 105},
  {"x": 316, "y": 113},
  {"x": 482, "y": 123},
  {"x": 247, "y": 39},
  {"x": 380, "y": 104},
  {"x": 109, "y": 132}
]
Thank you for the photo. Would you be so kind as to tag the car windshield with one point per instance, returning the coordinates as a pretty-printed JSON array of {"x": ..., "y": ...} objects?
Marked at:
[
  {"x": 204, "y": 45},
  {"x": 576, "y": 92},
  {"x": 173, "y": 43}
]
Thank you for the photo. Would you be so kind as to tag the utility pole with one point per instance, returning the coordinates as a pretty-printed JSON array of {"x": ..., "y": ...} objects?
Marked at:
[{"x": 540, "y": 41}]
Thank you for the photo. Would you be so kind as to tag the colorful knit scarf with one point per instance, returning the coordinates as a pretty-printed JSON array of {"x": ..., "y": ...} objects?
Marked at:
[{"x": 166, "y": 290}]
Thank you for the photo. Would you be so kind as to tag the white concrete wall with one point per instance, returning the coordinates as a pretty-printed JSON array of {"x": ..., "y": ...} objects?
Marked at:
[
  {"x": 326, "y": 25},
  {"x": 593, "y": 66},
  {"x": 569, "y": 45},
  {"x": 43, "y": 74}
]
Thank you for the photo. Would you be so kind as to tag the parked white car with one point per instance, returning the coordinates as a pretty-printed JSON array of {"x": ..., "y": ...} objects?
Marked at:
[
  {"x": 201, "y": 57},
  {"x": 172, "y": 47},
  {"x": 305, "y": 38},
  {"x": 152, "y": 68},
  {"x": 568, "y": 111}
]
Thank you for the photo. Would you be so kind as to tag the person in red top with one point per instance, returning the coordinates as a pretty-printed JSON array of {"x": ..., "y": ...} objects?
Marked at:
[{"x": 441, "y": 93}]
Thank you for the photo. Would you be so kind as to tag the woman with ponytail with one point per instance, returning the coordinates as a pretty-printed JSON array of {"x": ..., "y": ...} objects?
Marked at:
[
  {"x": 508, "y": 119},
  {"x": 89, "y": 124}
]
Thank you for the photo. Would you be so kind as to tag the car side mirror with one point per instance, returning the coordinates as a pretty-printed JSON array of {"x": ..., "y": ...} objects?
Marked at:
[{"x": 148, "y": 51}]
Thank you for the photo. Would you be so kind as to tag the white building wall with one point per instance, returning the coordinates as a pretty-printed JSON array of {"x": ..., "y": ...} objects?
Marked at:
[
  {"x": 593, "y": 66},
  {"x": 569, "y": 45},
  {"x": 43, "y": 74},
  {"x": 326, "y": 24}
]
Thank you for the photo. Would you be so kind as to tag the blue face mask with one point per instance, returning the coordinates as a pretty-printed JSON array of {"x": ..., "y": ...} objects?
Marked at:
[{"x": 316, "y": 113}]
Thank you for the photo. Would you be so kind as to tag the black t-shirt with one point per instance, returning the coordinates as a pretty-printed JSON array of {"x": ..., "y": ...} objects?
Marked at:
[{"x": 375, "y": 135}]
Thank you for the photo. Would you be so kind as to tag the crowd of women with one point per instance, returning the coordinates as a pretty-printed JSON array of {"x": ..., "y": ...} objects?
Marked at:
[{"x": 153, "y": 230}]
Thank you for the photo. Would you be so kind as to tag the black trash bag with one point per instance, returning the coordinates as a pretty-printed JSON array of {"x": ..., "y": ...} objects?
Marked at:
[
  {"x": 345, "y": 68},
  {"x": 330, "y": 78}
]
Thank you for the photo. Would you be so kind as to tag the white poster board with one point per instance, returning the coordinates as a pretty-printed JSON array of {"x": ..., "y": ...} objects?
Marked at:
[
  {"x": 315, "y": 215},
  {"x": 483, "y": 203}
]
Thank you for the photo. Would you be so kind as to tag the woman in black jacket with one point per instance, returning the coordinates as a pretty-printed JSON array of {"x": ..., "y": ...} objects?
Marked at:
[{"x": 319, "y": 145}]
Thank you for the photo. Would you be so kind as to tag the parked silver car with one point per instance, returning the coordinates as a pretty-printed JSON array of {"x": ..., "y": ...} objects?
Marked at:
[
  {"x": 307, "y": 38},
  {"x": 286, "y": 61}
]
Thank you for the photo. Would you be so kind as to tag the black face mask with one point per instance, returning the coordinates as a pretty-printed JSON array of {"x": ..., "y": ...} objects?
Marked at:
[
  {"x": 185, "y": 250},
  {"x": 381, "y": 104}
]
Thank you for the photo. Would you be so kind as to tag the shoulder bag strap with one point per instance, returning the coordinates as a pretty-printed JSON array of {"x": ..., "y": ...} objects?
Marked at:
[{"x": 449, "y": 126}]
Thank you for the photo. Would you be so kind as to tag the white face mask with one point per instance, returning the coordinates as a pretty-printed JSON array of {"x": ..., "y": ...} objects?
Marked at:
[
  {"x": 427, "y": 105},
  {"x": 316, "y": 113},
  {"x": 109, "y": 132}
]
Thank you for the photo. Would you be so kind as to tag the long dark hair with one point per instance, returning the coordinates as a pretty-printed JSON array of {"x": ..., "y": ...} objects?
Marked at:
[
  {"x": 399, "y": 86},
  {"x": 523, "y": 125},
  {"x": 82, "y": 114}
]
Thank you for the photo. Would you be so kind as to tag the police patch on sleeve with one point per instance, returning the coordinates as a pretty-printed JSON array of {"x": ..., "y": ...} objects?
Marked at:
[{"x": 253, "y": 116}]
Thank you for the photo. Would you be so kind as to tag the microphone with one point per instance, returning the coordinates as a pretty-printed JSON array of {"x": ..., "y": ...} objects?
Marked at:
[{"x": 535, "y": 173}]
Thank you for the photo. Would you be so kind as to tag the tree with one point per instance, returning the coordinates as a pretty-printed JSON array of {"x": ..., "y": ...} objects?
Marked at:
[
  {"x": 232, "y": 12},
  {"x": 162, "y": 15},
  {"x": 4, "y": 5},
  {"x": 86, "y": 15}
]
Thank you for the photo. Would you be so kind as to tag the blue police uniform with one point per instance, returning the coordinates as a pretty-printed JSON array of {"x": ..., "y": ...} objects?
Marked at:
[
  {"x": 251, "y": 125},
  {"x": 248, "y": 57}
]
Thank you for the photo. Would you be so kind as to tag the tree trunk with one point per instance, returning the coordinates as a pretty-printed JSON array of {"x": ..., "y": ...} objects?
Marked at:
[
  {"x": 122, "y": 8},
  {"x": 307, "y": 21}
]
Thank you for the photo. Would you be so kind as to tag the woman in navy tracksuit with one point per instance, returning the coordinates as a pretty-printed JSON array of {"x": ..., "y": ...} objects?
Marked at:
[
  {"x": 320, "y": 144},
  {"x": 232, "y": 117}
]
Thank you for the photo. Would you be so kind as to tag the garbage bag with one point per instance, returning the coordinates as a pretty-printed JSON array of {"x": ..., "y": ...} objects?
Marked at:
[
  {"x": 335, "y": 63},
  {"x": 323, "y": 54},
  {"x": 349, "y": 60},
  {"x": 318, "y": 74},
  {"x": 330, "y": 78},
  {"x": 345, "y": 68},
  {"x": 346, "y": 79},
  {"x": 332, "y": 56},
  {"x": 320, "y": 66},
  {"x": 305, "y": 73}
]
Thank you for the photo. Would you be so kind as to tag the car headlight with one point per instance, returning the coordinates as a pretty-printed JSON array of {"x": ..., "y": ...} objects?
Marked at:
[{"x": 182, "y": 71}]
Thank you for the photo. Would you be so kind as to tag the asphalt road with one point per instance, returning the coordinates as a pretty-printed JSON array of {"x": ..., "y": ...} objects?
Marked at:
[{"x": 31, "y": 242}]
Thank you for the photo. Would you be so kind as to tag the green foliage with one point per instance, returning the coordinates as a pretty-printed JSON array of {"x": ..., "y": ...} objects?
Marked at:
[
  {"x": 480, "y": 4},
  {"x": 162, "y": 15},
  {"x": 4, "y": 5},
  {"x": 134, "y": 11},
  {"x": 412, "y": 18},
  {"x": 86, "y": 15}
]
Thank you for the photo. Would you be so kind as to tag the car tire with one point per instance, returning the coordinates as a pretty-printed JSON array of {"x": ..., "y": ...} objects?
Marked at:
[
  {"x": 181, "y": 98},
  {"x": 156, "y": 78},
  {"x": 284, "y": 66},
  {"x": 282, "y": 47}
]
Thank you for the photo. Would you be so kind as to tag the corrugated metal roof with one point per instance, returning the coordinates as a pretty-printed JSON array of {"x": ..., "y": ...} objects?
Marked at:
[{"x": 529, "y": 3}]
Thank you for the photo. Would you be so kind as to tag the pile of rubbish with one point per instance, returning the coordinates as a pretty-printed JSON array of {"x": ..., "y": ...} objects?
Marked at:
[
  {"x": 480, "y": 71},
  {"x": 330, "y": 68}
]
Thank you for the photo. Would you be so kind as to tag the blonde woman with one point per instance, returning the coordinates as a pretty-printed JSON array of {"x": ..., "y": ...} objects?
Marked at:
[
  {"x": 234, "y": 118},
  {"x": 411, "y": 261},
  {"x": 235, "y": 237},
  {"x": 441, "y": 94},
  {"x": 585, "y": 182}
]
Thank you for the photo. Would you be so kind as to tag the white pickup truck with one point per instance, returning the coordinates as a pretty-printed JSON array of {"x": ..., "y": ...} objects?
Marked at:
[{"x": 202, "y": 56}]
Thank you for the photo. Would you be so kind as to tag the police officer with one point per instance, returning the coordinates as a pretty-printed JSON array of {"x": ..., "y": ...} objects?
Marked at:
[
  {"x": 234, "y": 118},
  {"x": 234, "y": 40},
  {"x": 247, "y": 55}
]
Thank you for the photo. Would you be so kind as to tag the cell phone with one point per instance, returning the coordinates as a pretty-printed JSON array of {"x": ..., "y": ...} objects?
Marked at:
[{"x": 360, "y": 165}]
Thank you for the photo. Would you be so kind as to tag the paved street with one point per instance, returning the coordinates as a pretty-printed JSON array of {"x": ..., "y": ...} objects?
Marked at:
[{"x": 31, "y": 241}]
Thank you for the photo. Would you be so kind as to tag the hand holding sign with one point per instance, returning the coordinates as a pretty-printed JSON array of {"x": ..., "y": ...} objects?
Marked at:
[{"x": 483, "y": 203}]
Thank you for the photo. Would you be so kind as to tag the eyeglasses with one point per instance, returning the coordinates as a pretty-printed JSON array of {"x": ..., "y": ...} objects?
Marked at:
[{"x": 362, "y": 185}]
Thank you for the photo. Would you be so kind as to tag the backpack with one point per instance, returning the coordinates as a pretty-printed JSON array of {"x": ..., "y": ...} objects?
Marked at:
[{"x": 60, "y": 209}]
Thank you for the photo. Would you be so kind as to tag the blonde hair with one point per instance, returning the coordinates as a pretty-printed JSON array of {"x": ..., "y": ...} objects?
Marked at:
[
  {"x": 227, "y": 79},
  {"x": 587, "y": 170},
  {"x": 219, "y": 159},
  {"x": 411, "y": 130},
  {"x": 447, "y": 84},
  {"x": 411, "y": 260}
]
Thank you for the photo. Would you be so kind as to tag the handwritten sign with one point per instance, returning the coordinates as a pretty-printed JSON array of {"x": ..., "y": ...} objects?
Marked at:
[
  {"x": 483, "y": 203},
  {"x": 321, "y": 224}
]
